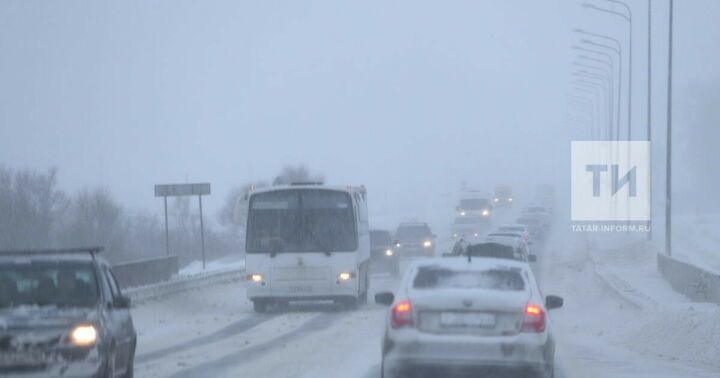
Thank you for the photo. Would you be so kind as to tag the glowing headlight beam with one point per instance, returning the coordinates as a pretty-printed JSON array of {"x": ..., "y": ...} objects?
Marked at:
[{"x": 83, "y": 335}]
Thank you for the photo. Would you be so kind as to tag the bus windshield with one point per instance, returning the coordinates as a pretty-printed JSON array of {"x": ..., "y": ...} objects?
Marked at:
[{"x": 301, "y": 220}]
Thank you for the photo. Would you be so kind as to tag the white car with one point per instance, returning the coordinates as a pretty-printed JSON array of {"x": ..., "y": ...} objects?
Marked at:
[
  {"x": 454, "y": 315},
  {"x": 514, "y": 228}
]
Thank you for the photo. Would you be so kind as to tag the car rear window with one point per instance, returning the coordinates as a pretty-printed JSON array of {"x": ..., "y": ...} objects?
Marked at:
[
  {"x": 445, "y": 278},
  {"x": 491, "y": 250}
]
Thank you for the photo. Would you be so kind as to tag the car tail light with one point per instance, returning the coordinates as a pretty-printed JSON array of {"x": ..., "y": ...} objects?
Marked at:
[
  {"x": 402, "y": 314},
  {"x": 533, "y": 319}
]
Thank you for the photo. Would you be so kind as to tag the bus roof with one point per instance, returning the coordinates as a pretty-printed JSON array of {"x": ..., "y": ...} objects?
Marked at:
[{"x": 339, "y": 188}]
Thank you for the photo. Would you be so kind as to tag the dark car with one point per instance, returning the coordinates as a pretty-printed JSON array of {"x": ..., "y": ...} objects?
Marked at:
[
  {"x": 382, "y": 253},
  {"x": 414, "y": 240},
  {"x": 62, "y": 314},
  {"x": 503, "y": 196}
]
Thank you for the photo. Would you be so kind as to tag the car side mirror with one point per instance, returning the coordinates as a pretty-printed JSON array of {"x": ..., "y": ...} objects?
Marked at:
[
  {"x": 121, "y": 302},
  {"x": 553, "y": 301},
  {"x": 384, "y": 298},
  {"x": 532, "y": 258}
]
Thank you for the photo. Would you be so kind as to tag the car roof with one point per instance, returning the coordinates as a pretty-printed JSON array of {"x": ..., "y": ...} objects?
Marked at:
[
  {"x": 85, "y": 254},
  {"x": 413, "y": 224},
  {"x": 512, "y": 225},
  {"x": 479, "y": 263}
]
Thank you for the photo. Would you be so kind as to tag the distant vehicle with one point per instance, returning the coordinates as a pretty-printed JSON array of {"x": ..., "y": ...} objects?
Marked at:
[
  {"x": 415, "y": 239},
  {"x": 474, "y": 207},
  {"x": 539, "y": 212},
  {"x": 536, "y": 227},
  {"x": 62, "y": 313},
  {"x": 500, "y": 247},
  {"x": 545, "y": 194},
  {"x": 515, "y": 227},
  {"x": 484, "y": 315},
  {"x": 307, "y": 242},
  {"x": 470, "y": 226},
  {"x": 382, "y": 252},
  {"x": 503, "y": 196}
]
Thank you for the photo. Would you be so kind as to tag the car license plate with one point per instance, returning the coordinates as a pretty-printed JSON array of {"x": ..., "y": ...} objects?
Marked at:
[
  {"x": 21, "y": 358},
  {"x": 467, "y": 320},
  {"x": 301, "y": 289}
]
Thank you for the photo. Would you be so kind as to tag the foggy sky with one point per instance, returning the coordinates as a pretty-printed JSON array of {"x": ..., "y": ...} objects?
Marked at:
[{"x": 409, "y": 98}]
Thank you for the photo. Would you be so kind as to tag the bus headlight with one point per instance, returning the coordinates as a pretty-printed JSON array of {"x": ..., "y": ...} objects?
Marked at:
[
  {"x": 486, "y": 212},
  {"x": 345, "y": 276},
  {"x": 255, "y": 277},
  {"x": 427, "y": 243},
  {"x": 388, "y": 252},
  {"x": 83, "y": 335}
]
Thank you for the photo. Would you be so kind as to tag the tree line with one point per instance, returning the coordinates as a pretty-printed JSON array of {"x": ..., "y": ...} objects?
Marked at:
[{"x": 36, "y": 214}]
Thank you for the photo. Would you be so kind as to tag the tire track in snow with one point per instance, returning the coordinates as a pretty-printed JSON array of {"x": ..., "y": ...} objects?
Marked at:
[
  {"x": 233, "y": 329},
  {"x": 223, "y": 365}
]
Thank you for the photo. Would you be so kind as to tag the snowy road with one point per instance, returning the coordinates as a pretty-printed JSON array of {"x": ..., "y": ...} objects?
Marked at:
[{"x": 215, "y": 333}]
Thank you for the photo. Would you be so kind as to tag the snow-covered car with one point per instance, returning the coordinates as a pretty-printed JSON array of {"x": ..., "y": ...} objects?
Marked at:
[
  {"x": 414, "y": 239},
  {"x": 500, "y": 247},
  {"x": 539, "y": 212},
  {"x": 514, "y": 228},
  {"x": 62, "y": 314},
  {"x": 382, "y": 253},
  {"x": 470, "y": 226},
  {"x": 480, "y": 316}
]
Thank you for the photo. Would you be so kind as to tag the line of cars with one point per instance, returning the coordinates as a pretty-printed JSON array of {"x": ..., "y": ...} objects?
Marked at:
[
  {"x": 411, "y": 239},
  {"x": 476, "y": 310}
]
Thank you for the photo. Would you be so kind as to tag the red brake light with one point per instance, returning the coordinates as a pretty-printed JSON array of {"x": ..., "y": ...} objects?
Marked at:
[
  {"x": 533, "y": 319},
  {"x": 402, "y": 314}
]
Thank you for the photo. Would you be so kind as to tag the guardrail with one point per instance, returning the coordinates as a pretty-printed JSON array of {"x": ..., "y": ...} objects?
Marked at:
[
  {"x": 180, "y": 284},
  {"x": 694, "y": 282},
  {"x": 147, "y": 271}
]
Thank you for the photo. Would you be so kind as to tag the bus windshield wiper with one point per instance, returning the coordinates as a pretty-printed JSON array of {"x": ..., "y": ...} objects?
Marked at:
[{"x": 318, "y": 242}]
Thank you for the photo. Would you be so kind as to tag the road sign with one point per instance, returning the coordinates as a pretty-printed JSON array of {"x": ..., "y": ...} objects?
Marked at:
[
  {"x": 179, "y": 190},
  {"x": 176, "y": 190}
]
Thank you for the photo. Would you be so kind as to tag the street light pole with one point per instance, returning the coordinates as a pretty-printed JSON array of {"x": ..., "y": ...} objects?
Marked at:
[
  {"x": 609, "y": 92},
  {"x": 618, "y": 50},
  {"x": 668, "y": 162},
  {"x": 649, "y": 109},
  {"x": 594, "y": 89},
  {"x": 609, "y": 78},
  {"x": 628, "y": 18}
]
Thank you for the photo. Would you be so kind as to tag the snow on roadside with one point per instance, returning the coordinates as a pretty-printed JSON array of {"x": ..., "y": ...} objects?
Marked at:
[
  {"x": 220, "y": 265},
  {"x": 696, "y": 240}
]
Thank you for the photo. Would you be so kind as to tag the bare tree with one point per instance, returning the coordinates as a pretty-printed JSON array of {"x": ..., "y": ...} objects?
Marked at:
[
  {"x": 30, "y": 208},
  {"x": 291, "y": 174},
  {"x": 95, "y": 218}
]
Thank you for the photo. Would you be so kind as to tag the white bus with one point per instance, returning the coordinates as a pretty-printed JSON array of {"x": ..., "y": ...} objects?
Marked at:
[{"x": 307, "y": 242}]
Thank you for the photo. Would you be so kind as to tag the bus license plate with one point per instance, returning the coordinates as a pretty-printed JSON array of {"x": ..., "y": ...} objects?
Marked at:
[{"x": 301, "y": 289}]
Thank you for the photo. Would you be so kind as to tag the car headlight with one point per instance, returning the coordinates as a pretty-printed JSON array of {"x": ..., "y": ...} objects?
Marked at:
[
  {"x": 344, "y": 276},
  {"x": 509, "y": 199},
  {"x": 255, "y": 277},
  {"x": 427, "y": 243},
  {"x": 455, "y": 235},
  {"x": 462, "y": 213},
  {"x": 83, "y": 335},
  {"x": 486, "y": 212},
  {"x": 388, "y": 252},
  {"x": 496, "y": 199},
  {"x": 397, "y": 245}
]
